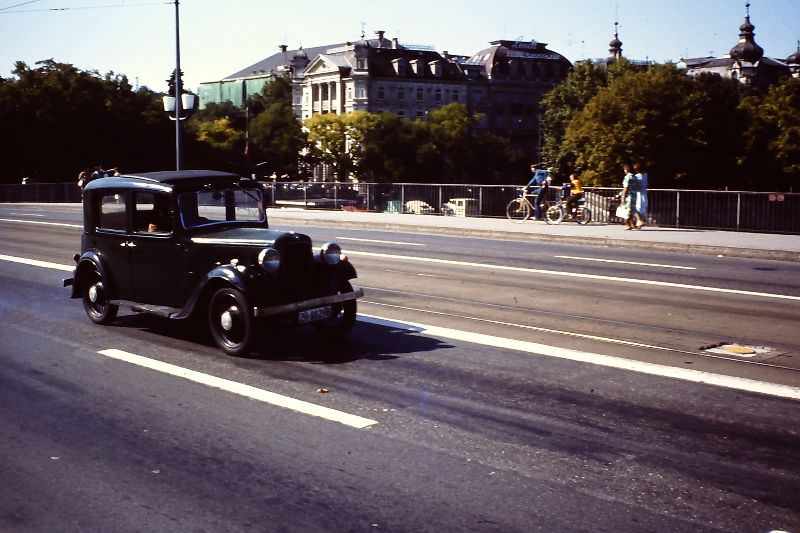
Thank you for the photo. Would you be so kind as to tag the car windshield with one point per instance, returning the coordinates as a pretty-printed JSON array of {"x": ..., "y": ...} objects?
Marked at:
[{"x": 221, "y": 205}]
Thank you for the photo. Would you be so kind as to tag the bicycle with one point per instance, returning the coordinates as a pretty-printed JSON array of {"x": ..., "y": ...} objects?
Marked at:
[
  {"x": 520, "y": 209},
  {"x": 558, "y": 213}
]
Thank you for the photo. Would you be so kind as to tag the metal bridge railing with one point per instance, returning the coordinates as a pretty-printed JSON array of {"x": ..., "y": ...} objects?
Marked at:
[{"x": 769, "y": 212}]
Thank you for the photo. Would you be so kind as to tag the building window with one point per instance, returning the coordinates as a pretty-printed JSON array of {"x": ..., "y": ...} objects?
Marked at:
[
  {"x": 420, "y": 115},
  {"x": 361, "y": 64},
  {"x": 381, "y": 92},
  {"x": 401, "y": 114},
  {"x": 420, "y": 94},
  {"x": 438, "y": 94},
  {"x": 361, "y": 92},
  {"x": 401, "y": 93},
  {"x": 455, "y": 95},
  {"x": 349, "y": 93}
]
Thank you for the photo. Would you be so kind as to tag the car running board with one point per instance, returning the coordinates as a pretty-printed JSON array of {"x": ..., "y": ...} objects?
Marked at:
[{"x": 159, "y": 310}]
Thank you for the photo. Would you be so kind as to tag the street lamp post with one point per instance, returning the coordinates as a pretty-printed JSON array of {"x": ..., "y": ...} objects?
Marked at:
[
  {"x": 178, "y": 101},
  {"x": 177, "y": 89}
]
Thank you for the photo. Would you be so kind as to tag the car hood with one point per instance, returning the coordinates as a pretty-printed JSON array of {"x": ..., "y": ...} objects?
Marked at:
[{"x": 243, "y": 237}]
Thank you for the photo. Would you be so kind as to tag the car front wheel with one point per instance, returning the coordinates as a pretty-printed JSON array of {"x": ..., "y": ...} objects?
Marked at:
[
  {"x": 230, "y": 320},
  {"x": 95, "y": 299}
]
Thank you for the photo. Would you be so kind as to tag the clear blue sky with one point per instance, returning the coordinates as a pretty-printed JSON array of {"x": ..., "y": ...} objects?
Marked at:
[{"x": 137, "y": 37}]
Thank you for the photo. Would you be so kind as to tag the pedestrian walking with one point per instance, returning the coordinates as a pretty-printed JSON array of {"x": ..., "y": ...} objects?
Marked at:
[
  {"x": 630, "y": 186},
  {"x": 641, "y": 194}
]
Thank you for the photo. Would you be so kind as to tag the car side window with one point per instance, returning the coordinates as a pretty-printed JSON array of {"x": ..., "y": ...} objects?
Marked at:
[
  {"x": 152, "y": 213},
  {"x": 111, "y": 212}
]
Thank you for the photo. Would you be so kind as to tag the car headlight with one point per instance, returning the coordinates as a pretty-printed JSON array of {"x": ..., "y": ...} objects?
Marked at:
[
  {"x": 331, "y": 253},
  {"x": 269, "y": 259}
]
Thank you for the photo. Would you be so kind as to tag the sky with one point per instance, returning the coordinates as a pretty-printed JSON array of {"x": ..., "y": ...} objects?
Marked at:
[{"x": 217, "y": 38}]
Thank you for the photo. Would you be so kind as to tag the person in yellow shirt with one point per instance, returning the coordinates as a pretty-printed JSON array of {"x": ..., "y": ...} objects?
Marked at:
[{"x": 575, "y": 193}]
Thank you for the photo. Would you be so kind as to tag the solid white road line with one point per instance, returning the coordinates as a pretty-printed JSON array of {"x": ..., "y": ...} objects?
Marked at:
[
  {"x": 622, "y": 262},
  {"x": 247, "y": 391},
  {"x": 610, "y": 340},
  {"x": 378, "y": 241},
  {"x": 26, "y": 215},
  {"x": 62, "y": 224},
  {"x": 772, "y": 389},
  {"x": 685, "y": 374},
  {"x": 635, "y": 281},
  {"x": 34, "y": 262}
]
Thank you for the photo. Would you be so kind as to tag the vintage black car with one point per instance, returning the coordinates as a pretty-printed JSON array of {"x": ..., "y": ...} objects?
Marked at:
[{"x": 189, "y": 244}]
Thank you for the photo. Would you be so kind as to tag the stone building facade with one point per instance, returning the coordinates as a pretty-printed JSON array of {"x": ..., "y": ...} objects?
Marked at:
[{"x": 502, "y": 84}]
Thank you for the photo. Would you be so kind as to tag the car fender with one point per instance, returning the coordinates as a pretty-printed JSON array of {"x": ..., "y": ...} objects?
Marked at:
[
  {"x": 343, "y": 270},
  {"x": 90, "y": 260},
  {"x": 222, "y": 275}
]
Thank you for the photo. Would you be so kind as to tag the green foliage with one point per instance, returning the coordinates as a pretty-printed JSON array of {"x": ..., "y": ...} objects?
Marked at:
[
  {"x": 219, "y": 134},
  {"x": 57, "y": 120},
  {"x": 276, "y": 138},
  {"x": 772, "y": 139},
  {"x": 384, "y": 147},
  {"x": 692, "y": 132}
]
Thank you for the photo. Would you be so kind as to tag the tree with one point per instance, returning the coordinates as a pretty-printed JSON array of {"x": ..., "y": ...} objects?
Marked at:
[
  {"x": 327, "y": 139},
  {"x": 276, "y": 138},
  {"x": 562, "y": 103},
  {"x": 56, "y": 120},
  {"x": 771, "y": 156},
  {"x": 684, "y": 128}
]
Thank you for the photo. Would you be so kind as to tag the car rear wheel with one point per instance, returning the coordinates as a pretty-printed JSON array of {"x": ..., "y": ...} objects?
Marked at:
[
  {"x": 95, "y": 299},
  {"x": 342, "y": 319},
  {"x": 230, "y": 320}
]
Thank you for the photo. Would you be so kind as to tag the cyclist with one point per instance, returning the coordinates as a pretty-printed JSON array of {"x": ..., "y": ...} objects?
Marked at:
[
  {"x": 540, "y": 180},
  {"x": 575, "y": 192}
]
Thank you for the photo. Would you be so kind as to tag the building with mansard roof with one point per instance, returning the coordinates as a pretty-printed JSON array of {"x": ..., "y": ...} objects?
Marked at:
[
  {"x": 745, "y": 62},
  {"x": 502, "y": 84}
]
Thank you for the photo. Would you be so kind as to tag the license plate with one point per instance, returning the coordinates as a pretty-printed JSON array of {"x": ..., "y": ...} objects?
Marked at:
[{"x": 312, "y": 315}]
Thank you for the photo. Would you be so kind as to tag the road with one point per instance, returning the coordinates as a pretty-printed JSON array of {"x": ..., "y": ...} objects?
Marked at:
[{"x": 502, "y": 386}]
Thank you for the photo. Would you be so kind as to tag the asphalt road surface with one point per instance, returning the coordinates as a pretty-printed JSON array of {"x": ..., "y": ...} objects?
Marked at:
[{"x": 488, "y": 386}]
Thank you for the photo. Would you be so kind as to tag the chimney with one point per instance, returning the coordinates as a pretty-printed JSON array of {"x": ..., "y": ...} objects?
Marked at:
[
  {"x": 395, "y": 43},
  {"x": 380, "y": 34},
  {"x": 283, "y": 48},
  {"x": 446, "y": 54}
]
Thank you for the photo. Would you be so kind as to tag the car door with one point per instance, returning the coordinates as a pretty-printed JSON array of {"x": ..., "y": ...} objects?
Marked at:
[
  {"x": 158, "y": 250},
  {"x": 112, "y": 239}
]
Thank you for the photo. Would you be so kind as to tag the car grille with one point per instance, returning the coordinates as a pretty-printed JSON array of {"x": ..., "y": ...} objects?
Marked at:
[{"x": 297, "y": 270}]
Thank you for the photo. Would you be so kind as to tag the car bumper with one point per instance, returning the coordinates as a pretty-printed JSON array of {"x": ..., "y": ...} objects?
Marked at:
[{"x": 307, "y": 304}]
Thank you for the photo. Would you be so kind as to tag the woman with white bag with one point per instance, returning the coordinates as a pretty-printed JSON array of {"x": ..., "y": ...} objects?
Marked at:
[{"x": 630, "y": 186}]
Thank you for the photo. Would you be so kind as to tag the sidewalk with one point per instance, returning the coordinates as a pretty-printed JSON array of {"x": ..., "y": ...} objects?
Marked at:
[{"x": 709, "y": 242}]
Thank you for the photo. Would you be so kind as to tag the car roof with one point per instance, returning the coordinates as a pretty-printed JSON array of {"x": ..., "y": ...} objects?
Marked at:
[{"x": 183, "y": 176}]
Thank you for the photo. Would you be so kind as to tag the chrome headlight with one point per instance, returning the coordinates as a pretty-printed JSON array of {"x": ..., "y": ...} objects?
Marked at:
[
  {"x": 331, "y": 253},
  {"x": 269, "y": 259}
]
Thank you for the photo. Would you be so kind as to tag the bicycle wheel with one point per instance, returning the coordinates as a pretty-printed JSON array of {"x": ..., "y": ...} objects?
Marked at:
[
  {"x": 518, "y": 210},
  {"x": 583, "y": 215},
  {"x": 554, "y": 215}
]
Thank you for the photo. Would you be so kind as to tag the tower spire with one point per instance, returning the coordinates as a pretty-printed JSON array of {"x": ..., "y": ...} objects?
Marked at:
[
  {"x": 747, "y": 49},
  {"x": 615, "y": 46}
]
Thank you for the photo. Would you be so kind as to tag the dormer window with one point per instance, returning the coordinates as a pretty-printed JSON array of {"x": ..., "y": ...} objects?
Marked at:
[
  {"x": 415, "y": 66},
  {"x": 399, "y": 67},
  {"x": 436, "y": 68},
  {"x": 361, "y": 63}
]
